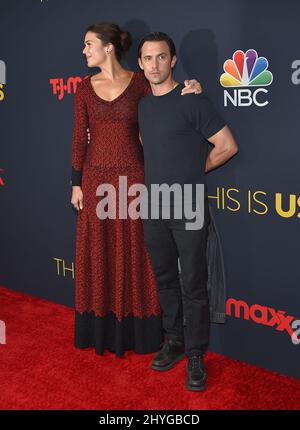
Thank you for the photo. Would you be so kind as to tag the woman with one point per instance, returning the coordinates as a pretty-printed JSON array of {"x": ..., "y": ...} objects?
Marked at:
[{"x": 116, "y": 304}]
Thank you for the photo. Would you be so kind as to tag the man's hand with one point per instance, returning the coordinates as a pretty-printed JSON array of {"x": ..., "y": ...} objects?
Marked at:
[
  {"x": 77, "y": 197},
  {"x": 192, "y": 86},
  {"x": 225, "y": 147}
]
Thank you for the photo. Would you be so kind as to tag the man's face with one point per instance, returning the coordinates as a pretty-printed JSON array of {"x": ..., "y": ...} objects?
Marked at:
[{"x": 156, "y": 61}]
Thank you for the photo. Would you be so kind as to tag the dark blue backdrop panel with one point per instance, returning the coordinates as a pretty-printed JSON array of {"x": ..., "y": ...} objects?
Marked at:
[{"x": 255, "y": 196}]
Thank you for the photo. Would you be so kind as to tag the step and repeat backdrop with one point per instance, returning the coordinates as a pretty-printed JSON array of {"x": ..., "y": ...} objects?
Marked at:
[{"x": 247, "y": 58}]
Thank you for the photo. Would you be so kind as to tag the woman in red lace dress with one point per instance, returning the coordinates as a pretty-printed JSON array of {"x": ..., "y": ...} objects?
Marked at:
[{"x": 116, "y": 304}]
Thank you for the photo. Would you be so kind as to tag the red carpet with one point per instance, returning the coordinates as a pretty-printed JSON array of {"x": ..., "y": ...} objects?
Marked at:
[{"x": 40, "y": 369}]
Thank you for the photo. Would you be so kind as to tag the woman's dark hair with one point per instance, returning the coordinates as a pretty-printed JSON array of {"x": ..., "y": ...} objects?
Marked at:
[
  {"x": 157, "y": 36},
  {"x": 112, "y": 33}
]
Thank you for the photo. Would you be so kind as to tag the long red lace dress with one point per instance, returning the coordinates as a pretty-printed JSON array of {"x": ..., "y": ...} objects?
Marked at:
[{"x": 116, "y": 303}]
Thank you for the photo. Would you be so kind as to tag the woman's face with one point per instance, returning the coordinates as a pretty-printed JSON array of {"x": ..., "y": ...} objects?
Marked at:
[{"x": 94, "y": 50}]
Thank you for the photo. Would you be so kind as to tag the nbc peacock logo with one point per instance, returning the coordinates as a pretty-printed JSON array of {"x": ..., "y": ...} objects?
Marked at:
[
  {"x": 245, "y": 70},
  {"x": 246, "y": 74}
]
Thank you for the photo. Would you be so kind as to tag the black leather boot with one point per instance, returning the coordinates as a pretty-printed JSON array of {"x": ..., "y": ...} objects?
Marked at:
[
  {"x": 196, "y": 373},
  {"x": 171, "y": 352}
]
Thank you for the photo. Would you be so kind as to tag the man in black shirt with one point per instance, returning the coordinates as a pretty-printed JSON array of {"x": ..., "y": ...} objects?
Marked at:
[{"x": 174, "y": 131}]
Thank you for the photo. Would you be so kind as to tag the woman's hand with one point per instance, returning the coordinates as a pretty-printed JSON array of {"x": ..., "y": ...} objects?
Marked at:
[
  {"x": 192, "y": 86},
  {"x": 77, "y": 197}
]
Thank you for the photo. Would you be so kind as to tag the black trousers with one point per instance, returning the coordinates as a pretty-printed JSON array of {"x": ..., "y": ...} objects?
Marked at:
[{"x": 168, "y": 240}]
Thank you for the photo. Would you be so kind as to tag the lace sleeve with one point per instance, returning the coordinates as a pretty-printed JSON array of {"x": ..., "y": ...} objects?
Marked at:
[{"x": 80, "y": 137}]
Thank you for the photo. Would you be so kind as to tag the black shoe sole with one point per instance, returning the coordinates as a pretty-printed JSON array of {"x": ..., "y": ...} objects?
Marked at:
[
  {"x": 195, "y": 388},
  {"x": 168, "y": 366}
]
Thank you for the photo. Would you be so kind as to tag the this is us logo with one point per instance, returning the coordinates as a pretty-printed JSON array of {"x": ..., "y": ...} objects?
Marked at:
[{"x": 245, "y": 77}]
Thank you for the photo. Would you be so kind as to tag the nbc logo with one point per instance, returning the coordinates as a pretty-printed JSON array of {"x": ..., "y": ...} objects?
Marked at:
[{"x": 245, "y": 69}]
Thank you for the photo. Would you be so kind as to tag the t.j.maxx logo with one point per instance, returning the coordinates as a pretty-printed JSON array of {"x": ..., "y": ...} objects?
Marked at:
[
  {"x": 261, "y": 315},
  {"x": 60, "y": 86}
]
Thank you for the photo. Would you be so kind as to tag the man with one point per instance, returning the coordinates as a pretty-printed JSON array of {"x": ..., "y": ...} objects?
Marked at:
[{"x": 174, "y": 132}]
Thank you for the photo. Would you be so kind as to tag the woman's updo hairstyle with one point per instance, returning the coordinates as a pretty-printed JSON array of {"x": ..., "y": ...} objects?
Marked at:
[{"x": 112, "y": 33}]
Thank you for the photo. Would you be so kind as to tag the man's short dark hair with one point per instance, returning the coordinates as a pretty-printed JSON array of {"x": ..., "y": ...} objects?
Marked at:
[{"x": 157, "y": 36}]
